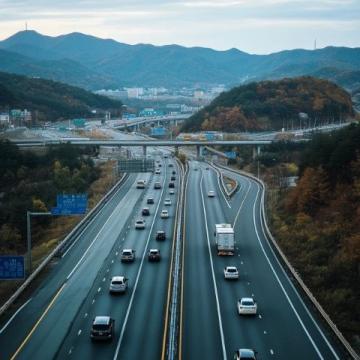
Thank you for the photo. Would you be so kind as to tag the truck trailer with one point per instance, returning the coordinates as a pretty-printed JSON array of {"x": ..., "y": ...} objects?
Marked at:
[{"x": 224, "y": 239}]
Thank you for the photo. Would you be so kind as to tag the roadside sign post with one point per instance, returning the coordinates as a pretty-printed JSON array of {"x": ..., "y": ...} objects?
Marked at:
[{"x": 28, "y": 220}]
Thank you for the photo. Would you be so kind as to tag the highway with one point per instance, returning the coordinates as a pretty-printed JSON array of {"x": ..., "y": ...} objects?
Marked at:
[
  {"x": 56, "y": 322},
  {"x": 211, "y": 328}
]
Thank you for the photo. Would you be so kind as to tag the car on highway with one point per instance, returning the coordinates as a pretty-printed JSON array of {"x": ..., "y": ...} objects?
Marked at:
[
  {"x": 247, "y": 306},
  {"x": 140, "y": 224},
  {"x": 164, "y": 214},
  {"x": 127, "y": 255},
  {"x": 154, "y": 255},
  {"x": 157, "y": 185},
  {"x": 145, "y": 211},
  {"x": 167, "y": 202},
  {"x": 245, "y": 354},
  {"x": 140, "y": 184},
  {"x": 171, "y": 185},
  {"x": 157, "y": 171},
  {"x": 118, "y": 284},
  {"x": 103, "y": 328},
  {"x": 150, "y": 200},
  {"x": 173, "y": 172},
  {"x": 160, "y": 235},
  {"x": 171, "y": 165},
  {"x": 231, "y": 273},
  {"x": 211, "y": 193},
  {"x": 159, "y": 165},
  {"x": 171, "y": 192},
  {"x": 173, "y": 178}
]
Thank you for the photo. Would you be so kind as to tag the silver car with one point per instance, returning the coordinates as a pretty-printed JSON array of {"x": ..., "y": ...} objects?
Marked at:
[{"x": 118, "y": 284}]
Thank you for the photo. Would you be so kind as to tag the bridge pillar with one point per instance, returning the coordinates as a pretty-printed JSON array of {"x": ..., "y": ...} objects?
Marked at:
[
  {"x": 176, "y": 150},
  {"x": 198, "y": 151},
  {"x": 256, "y": 152},
  {"x": 144, "y": 150}
]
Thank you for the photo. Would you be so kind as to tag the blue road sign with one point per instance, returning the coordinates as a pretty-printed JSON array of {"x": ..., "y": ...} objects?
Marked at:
[
  {"x": 230, "y": 154},
  {"x": 12, "y": 267},
  {"x": 158, "y": 131},
  {"x": 70, "y": 204}
]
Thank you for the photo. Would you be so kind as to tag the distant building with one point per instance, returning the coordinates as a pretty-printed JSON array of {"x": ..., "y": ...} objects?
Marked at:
[
  {"x": 20, "y": 117},
  {"x": 4, "y": 118},
  {"x": 134, "y": 92}
]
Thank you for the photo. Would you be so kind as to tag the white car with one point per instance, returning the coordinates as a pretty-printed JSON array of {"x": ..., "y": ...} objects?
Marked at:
[
  {"x": 167, "y": 202},
  {"x": 242, "y": 354},
  {"x": 171, "y": 192},
  {"x": 140, "y": 224},
  {"x": 164, "y": 214},
  {"x": 211, "y": 193},
  {"x": 157, "y": 171},
  {"x": 231, "y": 272},
  {"x": 247, "y": 306},
  {"x": 127, "y": 255},
  {"x": 118, "y": 284}
]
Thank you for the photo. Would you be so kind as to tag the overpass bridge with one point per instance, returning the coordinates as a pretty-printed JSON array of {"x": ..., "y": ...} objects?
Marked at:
[{"x": 142, "y": 143}]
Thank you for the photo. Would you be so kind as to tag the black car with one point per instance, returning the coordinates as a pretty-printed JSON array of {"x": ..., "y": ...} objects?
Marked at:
[
  {"x": 160, "y": 235},
  {"x": 145, "y": 212},
  {"x": 173, "y": 178},
  {"x": 174, "y": 172},
  {"x": 171, "y": 165},
  {"x": 171, "y": 185},
  {"x": 154, "y": 255},
  {"x": 102, "y": 328},
  {"x": 150, "y": 200}
]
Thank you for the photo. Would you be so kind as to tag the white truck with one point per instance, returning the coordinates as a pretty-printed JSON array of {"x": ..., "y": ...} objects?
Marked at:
[{"x": 224, "y": 238}]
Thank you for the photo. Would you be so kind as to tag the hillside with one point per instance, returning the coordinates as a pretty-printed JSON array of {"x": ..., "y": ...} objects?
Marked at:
[
  {"x": 317, "y": 224},
  {"x": 108, "y": 63},
  {"x": 272, "y": 105},
  {"x": 50, "y": 100}
]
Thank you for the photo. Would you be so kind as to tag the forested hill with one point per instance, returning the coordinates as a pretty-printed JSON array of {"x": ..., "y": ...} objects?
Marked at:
[
  {"x": 271, "y": 105},
  {"x": 50, "y": 100}
]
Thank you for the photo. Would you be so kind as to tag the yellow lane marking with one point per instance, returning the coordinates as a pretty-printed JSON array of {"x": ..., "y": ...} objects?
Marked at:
[{"x": 37, "y": 323}]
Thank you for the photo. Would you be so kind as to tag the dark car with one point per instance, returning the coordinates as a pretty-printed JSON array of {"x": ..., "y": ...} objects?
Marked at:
[
  {"x": 102, "y": 328},
  {"x": 157, "y": 185},
  {"x": 173, "y": 178},
  {"x": 145, "y": 212},
  {"x": 154, "y": 255},
  {"x": 171, "y": 185},
  {"x": 174, "y": 172},
  {"x": 160, "y": 235},
  {"x": 150, "y": 200},
  {"x": 171, "y": 165}
]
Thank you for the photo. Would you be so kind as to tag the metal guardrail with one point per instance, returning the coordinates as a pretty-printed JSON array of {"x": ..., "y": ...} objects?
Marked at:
[
  {"x": 175, "y": 285},
  {"x": 293, "y": 272},
  {"x": 66, "y": 242}
]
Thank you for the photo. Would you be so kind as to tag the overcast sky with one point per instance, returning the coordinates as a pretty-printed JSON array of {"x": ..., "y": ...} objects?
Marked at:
[{"x": 255, "y": 26}]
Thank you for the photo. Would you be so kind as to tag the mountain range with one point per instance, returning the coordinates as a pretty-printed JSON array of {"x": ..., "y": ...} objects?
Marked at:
[{"x": 94, "y": 63}]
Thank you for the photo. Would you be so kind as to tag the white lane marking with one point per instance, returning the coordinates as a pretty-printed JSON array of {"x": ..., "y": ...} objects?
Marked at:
[
  {"x": 99, "y": 289},
  {"x": 86, "y": 227},
  {"x": 271, "y": 351},
  {"x": 107, "y": 270},
  {"x": 13, "y": 317},
  {"x": 220, "y": 188},
  {"x": 93, "y": 301},
  {"x": 138, "y": 274},
  {"x": 104, "y": 279},
  {"x": 260, "y": 316},
  {"x": 96, "y": 237},
  {"x": 297, "y": 294},
  {"x": 213, "y": 274},
  {"x": 279, "y": 282},
  {"x": 79, "y": 332},
  {"x": 70, "y": 351},
  {"x": 241, "y": 205},
  {"x": 86, "y": 315},
  {"x": 112, "y": 261},
  {"x": 265, "y": 332},
  {"x": 116, "y": 253}
]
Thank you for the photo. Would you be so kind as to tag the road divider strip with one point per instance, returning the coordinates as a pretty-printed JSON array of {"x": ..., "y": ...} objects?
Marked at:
[{"x": 293, "y": 272}]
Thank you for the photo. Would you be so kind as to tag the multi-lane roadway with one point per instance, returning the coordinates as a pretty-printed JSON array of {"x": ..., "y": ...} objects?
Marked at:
[{"x": 55, "y": 321}]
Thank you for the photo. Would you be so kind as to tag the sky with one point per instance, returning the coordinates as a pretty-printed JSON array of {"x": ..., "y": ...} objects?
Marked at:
[{"x": 254, "y": 26}]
